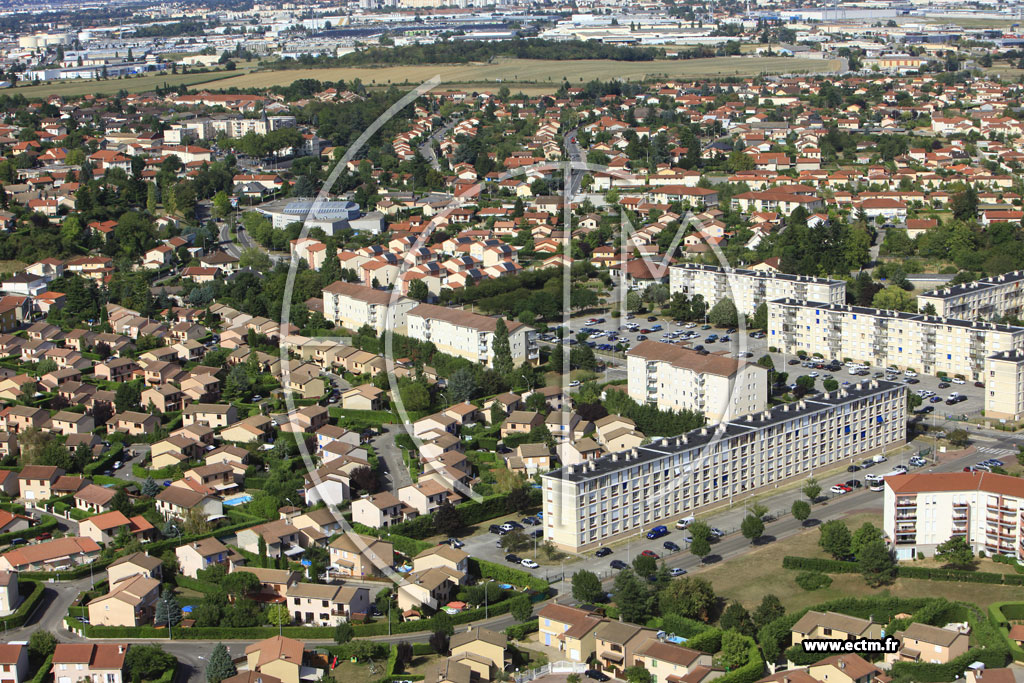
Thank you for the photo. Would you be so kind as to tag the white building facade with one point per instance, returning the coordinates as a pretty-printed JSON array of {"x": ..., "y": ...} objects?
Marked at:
[{"x": 750, "y": 288}]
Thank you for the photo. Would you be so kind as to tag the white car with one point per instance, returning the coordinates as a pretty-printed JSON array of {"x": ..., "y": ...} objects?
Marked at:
[
  {"x": 957, "y": 380},
  {"x": 574, "y": 383},
  {"x": 529, "y": 564},
  {"x": 838, "y": 489},
  {"x": 909, "y": 373}
]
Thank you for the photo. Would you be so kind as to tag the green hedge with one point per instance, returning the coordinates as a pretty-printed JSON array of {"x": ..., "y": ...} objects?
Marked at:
[
  {"x": 904, "y": 571},
  {"x": 48, "y": 523},
  {"x": 183, "y": 581},
  {"x": 410, "y": 547},
  {"x": 503, "y": 574},
  {"x": 32, "y": 592},
  {"x": 520, "y": 631},
  {"x": 112, "y": 455},
  {"x": 709, "y": 641},
  {"x": 752, "y": 671},
  {"x": 470, "y": 513},
  {"x": 43, "y": 673},
  {"x": 1001, "y": 613}
]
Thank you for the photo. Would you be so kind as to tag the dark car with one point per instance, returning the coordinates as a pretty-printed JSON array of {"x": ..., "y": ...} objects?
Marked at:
[
  {"x": 792, "y": 361},
  {"x": 929, "y": 409},
  {"x": 853, "y": 468},
  {"x": 603, "y": 552},
  {"x": 867, "y": 463},
  {"x": 530, "y": 521},
  {"x": 618, "y": 564},
  {"x": 596, "y": 675},
  {"x": 536, "y": 533},
  {"x": 912, "y": 380},
  {"x": 494, "y": 529},
  {"x": 670, "y": 546},
  {"x": 854, "y": 483},
  {"x": 980, "y": 385},
  {"x": 514, "y": 524},
  {"x": 943, "y": 385},
  {"x": 513, "y": 558},
  {"x": 652, "y": 318}
]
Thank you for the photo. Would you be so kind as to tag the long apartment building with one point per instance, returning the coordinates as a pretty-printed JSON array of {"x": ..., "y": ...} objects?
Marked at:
[
  {"x": 1004, "y": 386},
  {"x": 678, "y": 378},
  {"x": 926, "y": 343},
  {"x": 619, "y": 494},
  {"x": 352, "y": 306},
  {"x": 924, "y": 510},
  {"x": 986, "y": 299},
  {"x": 750, "y": 288},
  {"x": 470, "y": 335}
]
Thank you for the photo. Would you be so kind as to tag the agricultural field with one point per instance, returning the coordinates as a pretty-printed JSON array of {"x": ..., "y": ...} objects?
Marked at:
[
  {"x": 529, "y": 71},
  {"x": 77, "y": 88}
]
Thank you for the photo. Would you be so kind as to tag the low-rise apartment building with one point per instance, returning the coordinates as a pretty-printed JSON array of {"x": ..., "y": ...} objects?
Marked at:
[
  {"x": 470, "y": 335},
  {"x": 352, "y": 306},
  {"x": 924, "y": 510},
  {"x": 748, "y": 289},
  {"x": 989, "y": 298},
  {"x": 677, "y": 378},
  {"x": 621, "y": 493},
  {"x": 926, "y": 343}
]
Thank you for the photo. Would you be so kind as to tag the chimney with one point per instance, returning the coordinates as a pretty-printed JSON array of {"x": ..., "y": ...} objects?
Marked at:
[
  {"x": 842, "y": 664},
  {"x": 120, "y": 649}
]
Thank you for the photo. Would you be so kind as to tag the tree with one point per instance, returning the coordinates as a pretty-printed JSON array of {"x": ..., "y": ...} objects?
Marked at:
[
  {"x": 518, "y": 499},
  {"x": 877, "y": 563},
  {"x": 403, "y": 655},
  {"x": 443, "y": 623},
  {"x": 633, "y": 301},
  {"x": 894, "y": 298},
  {"x": 958, "y": 438},
  {"x": 956, "y": 552},
  {"x": 41, "y": 645},
  {"x": 255, "y": 258},
  {"x": 700, "y": 547},
  {"x": 752, "y": 528},
  {"x": 503, "y": 363},
  {"x": 723, "y": 313},
  {"x": 688, "y": 596},
  {"x": 168, "y": 611},
  {"x": 447, "y": 518},
  {"x": 801, "y": 510},
  {"x": 418, "y": 290},
  {"x": 645, "y": 565},
  {"x": 220, "y": 665},
  {"x": 148, "y": 662},
  {"x": 737, "y": 618},
  {"x": 462, "y": 385},
  {"x": 586, "y": 587},
  {"x": 343, "y": 633},
  {"x": 637, "y": 674},
  {"x": 150, "y": 488},
  {"x": 811, "y": 489},
  {"x": 768, "y": 611},
  {"x": 121, "y": 502},
  {"x": 278, "y": 615},
  {"x": 835, "y": 539},
  {"x": 439, "y": 642},
  {"x": 760, "y": 319},
  {"x": 735, "y": 650},
  {"x": 862, "y": 536},
  {"x": 631, "y": 597},
  {"x": 515, "y": 540},
  {"x": 520, "y": 608}
]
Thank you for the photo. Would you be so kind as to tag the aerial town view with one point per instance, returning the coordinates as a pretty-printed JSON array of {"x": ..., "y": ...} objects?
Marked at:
[{"x": 646, "y": 341}]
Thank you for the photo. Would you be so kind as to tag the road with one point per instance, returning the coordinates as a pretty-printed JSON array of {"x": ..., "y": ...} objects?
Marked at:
[
  {"x": 426, "y": 147},
  {"x": 394, "y": 474},
  {"x": 575, "y": 156}
]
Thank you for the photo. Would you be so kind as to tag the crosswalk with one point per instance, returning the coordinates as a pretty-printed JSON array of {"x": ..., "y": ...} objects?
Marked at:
[{"x": 988, "y": 450}]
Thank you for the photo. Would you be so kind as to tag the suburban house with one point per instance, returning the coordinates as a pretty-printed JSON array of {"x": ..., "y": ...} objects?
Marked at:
[
  {"x": 280, "y": 657},
  {"x": 201, "y": 554},
  {"x": 484, "y": 651},
  {"x": 95, "y": 662},
  {"x": 176, "y": 501},
  {"x": 36, "y": 481},
  {"x": 326, "y": 604},
  {"x": 14, "y": 662},
  {"x": 570, "y": 629},
  {"x": 60, "y": 553},
  {"x": 130, "y": 602},
  {"x": 106, "y": 527},
  {"x": 924, "y": 643},
  {"x": 10, "y": 596},
  {"x": 380, "y": 510},
  {"x": 136, "y": 564}
]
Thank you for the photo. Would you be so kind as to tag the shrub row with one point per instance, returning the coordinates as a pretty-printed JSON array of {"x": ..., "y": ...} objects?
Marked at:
[
  {"x": 520, "y": 631},
  {"x": 503, "y": 574},
  {"x": 1001, "y": 613},
  {"x": 32, "y": 592},
  {"x": 183, "y": 581},
  {"x": 44, "y": 671},
  {"x": 903, "y": 571},
  {"x": 48, "y": 523},
  {"x": 752, "y": 671},
  {"x": 470, "y": 513}
]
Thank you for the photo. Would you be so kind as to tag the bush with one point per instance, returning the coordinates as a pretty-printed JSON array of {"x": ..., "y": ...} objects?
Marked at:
[
  {"x": 32, "y": 592},
  {"x": 812, "y": 581},
  {"x": 521, "y": 631}
]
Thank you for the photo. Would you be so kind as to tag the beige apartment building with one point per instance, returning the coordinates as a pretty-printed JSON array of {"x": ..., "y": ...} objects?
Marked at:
[
  {"x": 986, "y": 299},
  {"x": 470, "y": 335},
  {"x": 748, "y": 289},
  {"x": 352, "y": 306},
  {"x": 924, "y": 510},
  {"x": 926, "y": 343},
  {"x": 621, "y": 494},
  {"x": 678, "y": 378},
  {"x": 1004, "y": 386}
]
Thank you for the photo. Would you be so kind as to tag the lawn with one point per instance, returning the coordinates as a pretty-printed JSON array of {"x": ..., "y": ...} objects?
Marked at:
[
  {"x": 77, "y": 88},
  {"x": 12, "y": 266},
  {"x": 748, "y": 578},
  {"x": 534, "y": 71}
]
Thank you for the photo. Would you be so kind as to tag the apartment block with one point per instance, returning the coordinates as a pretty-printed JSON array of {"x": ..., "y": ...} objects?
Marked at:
[
  {"x": 927, "y": 343},
  {"x": 750, "y": 288},
  {"x": 618, "y": 494},
  {"x": 678, "y": 378},
  {"x": 470, "y": 335},
  {"x": 924, "y": 510},
  {"x": 352, "y": 306},
  {"x": 986, "y": 299},
  {"x": 1004, "y": 386}
]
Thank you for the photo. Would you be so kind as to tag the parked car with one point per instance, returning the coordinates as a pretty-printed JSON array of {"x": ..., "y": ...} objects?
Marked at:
[
  {"x": 603, "y": 552},
  {"x": 529, "y": 564},
  {"x": 618, "y": 564},
  {"x": 853, "y": 468},
  {"x": 513, "y": 558},
  {"x": 596, "y": 675},
  {"x": 657, "y": 532},
  {"x": 651, "y": 553},
  {"x": 854, "y": 483},
  {"x": 840, "y": 489},
  {"x": 670, "y": 546},
  {"x": 716, "y": 532},
  {"x": 495, "y": 529},
  {"x": 530, "y": 521},
  {"x": 676, "y": 571}
]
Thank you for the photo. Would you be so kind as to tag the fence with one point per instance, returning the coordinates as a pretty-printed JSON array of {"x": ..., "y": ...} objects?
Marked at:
[{"x": 562, "y": 667}]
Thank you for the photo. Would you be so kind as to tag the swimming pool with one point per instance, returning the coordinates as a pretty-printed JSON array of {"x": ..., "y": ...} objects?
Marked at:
[{"x": 238, "y": 500}]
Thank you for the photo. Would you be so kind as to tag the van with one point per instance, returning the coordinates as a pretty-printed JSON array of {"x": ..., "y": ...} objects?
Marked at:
[
  {"x": 658, "y": 531},
  {"x": 879, "y": 458},
  {"x": 684, "y": 522}
]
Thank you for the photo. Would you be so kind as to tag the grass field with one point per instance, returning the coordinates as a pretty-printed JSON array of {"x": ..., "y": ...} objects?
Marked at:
[
  {"x": 748, "y": 578},
  {"x": 78, "y": 88},
  {"x": 535, "y": 71},
  {"x": 963, "y": 22}
]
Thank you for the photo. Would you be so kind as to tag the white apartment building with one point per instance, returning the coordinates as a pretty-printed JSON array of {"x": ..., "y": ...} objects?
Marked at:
[
  {"x": 678, "y": 378},
  {"x": 470, "y": 335},
  {"x": 1004, "y": 386},
  {"x": 924, "y": 510},
  {"x": 621, "y": 494},
  {"x": 750, "y": 288},
  {"x": 986, "y": 299},
  {"x": 926, "y": 343},
  {"x": 352, "y": 306}
]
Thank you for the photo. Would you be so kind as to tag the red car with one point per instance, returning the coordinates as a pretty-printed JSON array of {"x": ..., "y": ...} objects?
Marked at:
[
  {"x": 650, "y": 553},
  {"x": 645, "y": 331}
]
